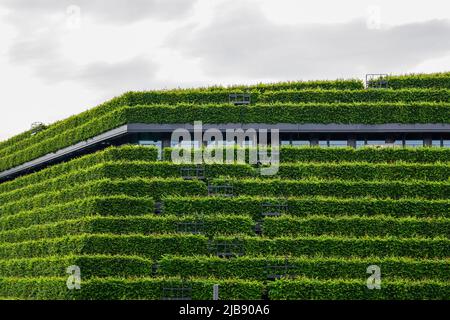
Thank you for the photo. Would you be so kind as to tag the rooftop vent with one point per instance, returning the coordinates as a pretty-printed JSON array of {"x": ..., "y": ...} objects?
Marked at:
[
  {"x": 239, "y": 98},
  {"x": 377, "y": 81}
]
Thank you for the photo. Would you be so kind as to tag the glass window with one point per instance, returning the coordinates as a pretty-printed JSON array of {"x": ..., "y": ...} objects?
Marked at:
[
  {"x": 285, "y": 142},
  {"x": 323, "y": 143},
  {"x": 298, "y": 143},
  {"x": 398, "y": 143},
  {"x": 360, "y": 143},
  {"x": 376, "y": 142},
  {"x": 446, "y": 143},
  {"x": 338, "y": 143},
  {"x": 413, "y": 143},
  {"x": 436, "y": 143}
]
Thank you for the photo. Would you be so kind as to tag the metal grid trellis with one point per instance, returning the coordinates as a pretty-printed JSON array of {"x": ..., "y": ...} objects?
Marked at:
[
  {"x": 177, "y": 293},
  {"x": 240, "y": 98},
  {"x": 377, "y": 81},
  {"x": 189, "y": 173}
]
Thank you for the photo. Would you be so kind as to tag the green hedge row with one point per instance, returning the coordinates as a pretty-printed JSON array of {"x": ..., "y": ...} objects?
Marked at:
[
  {"x": 367, "y": 154},
  {"x": 225, "y": 113},
  {"x": 232, "y": 225},
  {"x": 434, "y": 80},
  {"x": 135, "y": 187},
  {"x": 366, "y": 171},
  {"x": 305, "y": 206},
  {"x": 342, "y": 170},
  {"x": 348, "y": 154},
  {"x": 306, "y": 289},
  {"x": 90, "y": 206},
  {"x": 201, "y": 289},
  {"x": 294, "y": 96},
  {"x": 367, "y": 95},
  {"x": 128, "y": 289},
  {"x": 20, "y": 155},
  {"x": 145, "y": 224},
  {"x": 356, "y": 226},
  {"x": 122, "y": 170},
  {"x": 90, "y": 266},
  {"x": 26, "y": 138},
  {"x": 345, "y": 171},
  {"x": 262, "y": 268},
  {"x": 312, "y": 112},
  {"x": 155, "y": 246},
  {"x": 337, "y": 246},
  {"x": 338, "y": 188},
  {"x": 123, "y": 153}
]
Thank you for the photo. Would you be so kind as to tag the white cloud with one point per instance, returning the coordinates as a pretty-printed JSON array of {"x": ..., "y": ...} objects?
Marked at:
[
  {"x": 51, "y": 69},
  {"x": 242, "y": 40}
]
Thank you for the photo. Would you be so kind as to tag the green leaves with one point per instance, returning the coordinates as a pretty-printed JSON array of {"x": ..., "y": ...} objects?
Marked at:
[
  {"x": 128, "y": 288},
  {"x": 357, "y": 290},
  {"x": 434, "y": 80},
  {"x": 259, "y": 267},
  {"x": 304, "y": 206},
  {"x": 338, "y": 188}
]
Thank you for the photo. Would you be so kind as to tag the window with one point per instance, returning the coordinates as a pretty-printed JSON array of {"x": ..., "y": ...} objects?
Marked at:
[
  {"x": 376, "y": 142},
  {"x": 436, "y": 143},
  {"x": 360, "y": 143},
  {"x": 338, "y": 143},
  {"x": 285, "y": 142},
  {"x": 298, "y": 143},
  {"x": 414, "y": 143},
  {"x": 446, "y": 143},
  {"x": 323, "y": 143}
]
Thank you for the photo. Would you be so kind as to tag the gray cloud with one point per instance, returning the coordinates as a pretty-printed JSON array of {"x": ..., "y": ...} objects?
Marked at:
[
  {"x": 134, "y": 74},
  {"x": 38, "y": 41},
  {"x": 242, "y": 41},
  {"x": 109, "y": 11}
]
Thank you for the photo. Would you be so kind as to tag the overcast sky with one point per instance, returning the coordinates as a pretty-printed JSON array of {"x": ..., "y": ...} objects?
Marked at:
[{"x": 60, "y": 57}]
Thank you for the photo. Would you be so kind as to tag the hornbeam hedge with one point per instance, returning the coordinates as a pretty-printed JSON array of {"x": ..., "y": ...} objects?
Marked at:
[
  {"x": 412, "y": 112},
  {"x": 338, "y": 188},
  {"x": 90, "y": 266},
  {"x": 304, "y": 206},
  {"x": 135, "y": 187},
  {"x": 123, "y": 153},
  {"x": 126, "y": 99},
  {"x": 434, "y": 80},
  {"x": 348, "y": 154},
  {"x": 54, "y": 288},
  {"x": 356, "y": 226},
  {"x": 144, "y": 225},
  {"x": 259, "y": 268},
  {"x": 90, "y": 206},
  {"x": 155, "y": 246},
  {"x": 357, "y": 290},
  {"x": 141, "y": 169}
]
